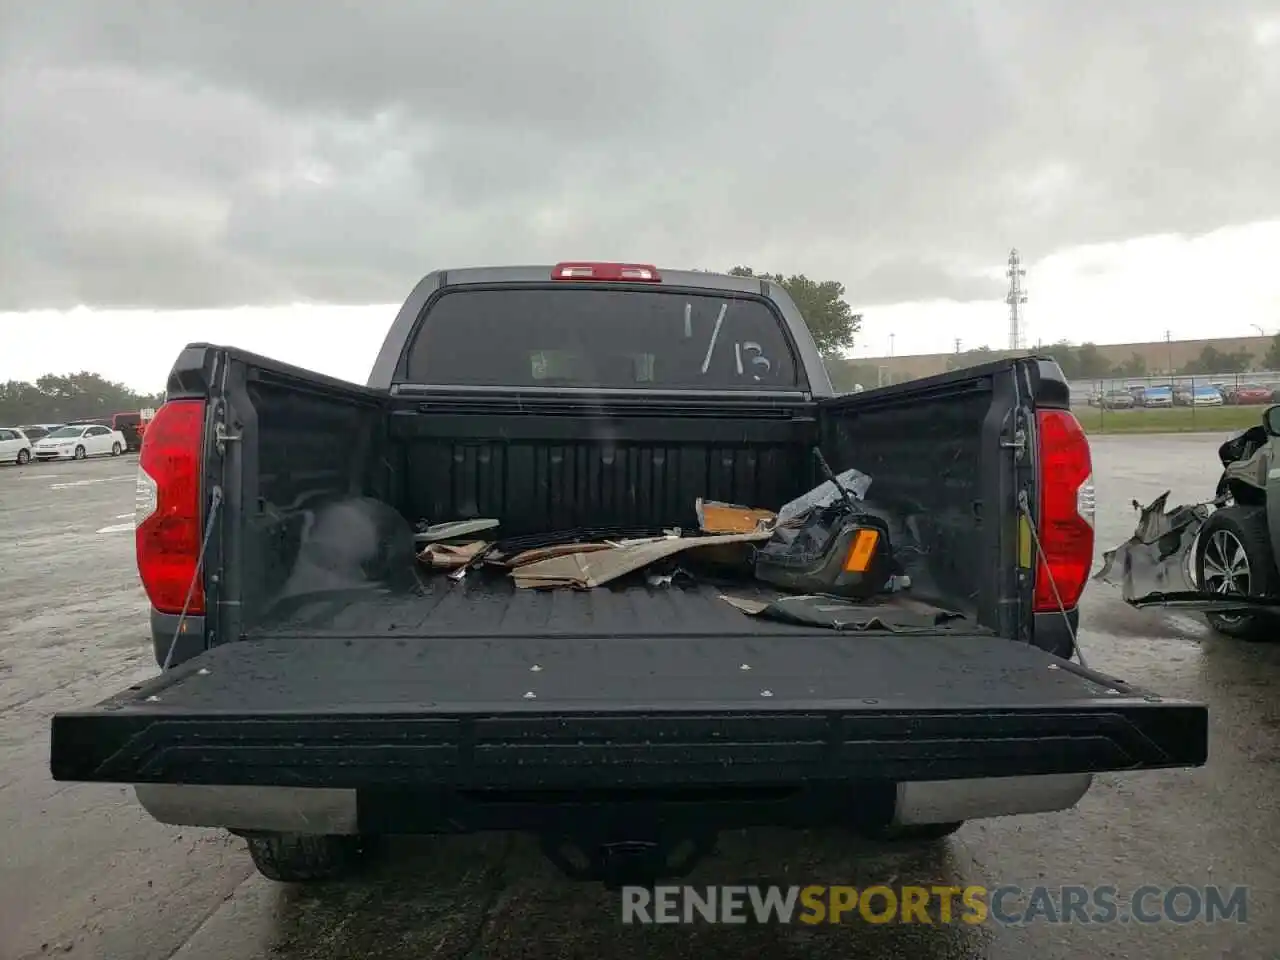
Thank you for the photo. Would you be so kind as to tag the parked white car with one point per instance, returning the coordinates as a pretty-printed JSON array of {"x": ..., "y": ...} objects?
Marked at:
[
  {"x": 14, "y": 446},
  {"x": 77, "y": 441}
]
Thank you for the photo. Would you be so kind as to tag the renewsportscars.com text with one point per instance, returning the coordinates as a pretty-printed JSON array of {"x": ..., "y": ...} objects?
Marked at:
[{"x": 1004, "y": 905}]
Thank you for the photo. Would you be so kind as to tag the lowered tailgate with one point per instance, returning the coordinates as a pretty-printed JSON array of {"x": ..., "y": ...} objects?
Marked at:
[{"x": 520, "y": 712}]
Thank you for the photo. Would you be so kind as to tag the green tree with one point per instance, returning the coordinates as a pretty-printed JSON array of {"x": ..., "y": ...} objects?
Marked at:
[
  {"x": 56, "y": 398},
  {"x": 1090, "y": 363},
  {"x": 1065, "y": 355},
  {"x": 1271, "y": 359},
  {"x": 1211, "y": 360},
  {"x": 828, "y": 315},
  {"x": 1135, "y": 366}
]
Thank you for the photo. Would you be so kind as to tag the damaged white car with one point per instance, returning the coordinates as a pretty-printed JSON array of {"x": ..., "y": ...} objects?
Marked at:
[{"x": 1217, "y": 556}]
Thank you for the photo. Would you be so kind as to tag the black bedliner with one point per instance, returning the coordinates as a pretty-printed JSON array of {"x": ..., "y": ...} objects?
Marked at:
[
  {"x": 492, "y": 606},
  {"x": 550, "y": 713}
]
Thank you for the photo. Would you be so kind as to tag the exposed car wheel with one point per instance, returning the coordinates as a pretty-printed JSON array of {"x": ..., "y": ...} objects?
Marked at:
[
  {"x": 304, "y": 858},
  {"x": 24, "y": 457},
  {"x": 1234, "y": 557},
  {"x": 115, "y": 449},
  {"x": 80, "y": 454},
  {"x": 915, "y": 832}
]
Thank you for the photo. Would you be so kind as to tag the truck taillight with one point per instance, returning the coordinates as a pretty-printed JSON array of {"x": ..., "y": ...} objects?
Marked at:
[
  {"x": 167, "y": 513},
  {"x": 1066, "y": 511}
]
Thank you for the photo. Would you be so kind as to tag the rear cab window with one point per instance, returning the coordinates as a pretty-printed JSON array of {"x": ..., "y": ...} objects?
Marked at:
[{"x": 570, "y": 336}]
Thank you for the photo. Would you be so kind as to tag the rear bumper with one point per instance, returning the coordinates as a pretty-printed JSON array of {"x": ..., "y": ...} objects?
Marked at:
[{"x": 331, "y": 811}]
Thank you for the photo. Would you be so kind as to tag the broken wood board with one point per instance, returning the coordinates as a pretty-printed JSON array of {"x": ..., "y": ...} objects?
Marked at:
[{"x": 717, "y": 517}]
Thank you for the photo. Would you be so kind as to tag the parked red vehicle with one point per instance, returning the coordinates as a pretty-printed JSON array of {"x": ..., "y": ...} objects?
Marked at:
[
  {"x": 144, "y": 417},
  {"x": 1249, "y": 394},
  {"x": 128, "y": 424}
]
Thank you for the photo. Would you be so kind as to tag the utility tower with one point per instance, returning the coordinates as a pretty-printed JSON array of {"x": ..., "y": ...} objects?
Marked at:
[{"x": 1016, "y": 298}]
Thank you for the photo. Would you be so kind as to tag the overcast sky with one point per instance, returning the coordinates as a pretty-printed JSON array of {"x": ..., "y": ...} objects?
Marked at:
[{"x": 206, "y": 156}]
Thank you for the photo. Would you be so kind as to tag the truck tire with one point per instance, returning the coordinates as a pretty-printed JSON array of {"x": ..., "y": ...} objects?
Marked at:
[
  {"x": 1234, "y": 555},
  {"x": 304, "y": 858}
]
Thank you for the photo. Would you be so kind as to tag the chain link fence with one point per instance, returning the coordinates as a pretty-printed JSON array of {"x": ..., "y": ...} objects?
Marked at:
[{"x": 1227, "y": 401}]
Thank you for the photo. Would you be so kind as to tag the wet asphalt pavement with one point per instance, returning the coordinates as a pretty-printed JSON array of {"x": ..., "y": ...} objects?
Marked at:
[{"x": 86, "y": 874}]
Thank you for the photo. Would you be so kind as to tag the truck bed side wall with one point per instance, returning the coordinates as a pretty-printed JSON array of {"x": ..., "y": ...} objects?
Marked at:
[
  {"x": 933, "y": 450},
  {"x": 303, "y": 440}
]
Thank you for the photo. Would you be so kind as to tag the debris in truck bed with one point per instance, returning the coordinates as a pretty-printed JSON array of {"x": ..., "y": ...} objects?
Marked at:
[
  {"x": 818, "y": 610},
  {"x": 670, "y": 578},
  {"x": 585, "y": 570},
  {"x": 452, "y": 530},
  {"x": 502, "y": 552},
  {"x": 546, "y": 553},
  {"x": 716, "y": 517},
  {"x": 853, "y": 482},
  {"x": 449, "y": 556},
  {"x": 834, "y": 549}
]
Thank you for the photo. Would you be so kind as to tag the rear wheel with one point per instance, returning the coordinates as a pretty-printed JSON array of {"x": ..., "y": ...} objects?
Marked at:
[
  {"x": 1234, "y": 558},
  {"x": 80, "y": 454},
  {"x": 24, "y": 457},
  {"x": 115, "y": 449},
  {"x": 304, "y": 858}
]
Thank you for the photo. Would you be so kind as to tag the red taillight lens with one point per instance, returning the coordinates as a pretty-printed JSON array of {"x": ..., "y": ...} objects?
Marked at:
[
  {"x": 621, "y": 272},
  {"x": 1066, "y": 511},
  {"x": 167, "y": 518}
]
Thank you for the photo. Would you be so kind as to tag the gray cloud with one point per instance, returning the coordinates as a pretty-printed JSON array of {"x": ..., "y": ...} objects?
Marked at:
[{"x": 200, "y": 154}]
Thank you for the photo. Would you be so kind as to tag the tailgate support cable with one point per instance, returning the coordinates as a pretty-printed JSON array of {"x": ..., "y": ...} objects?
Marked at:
[
  {"x": 215, "y": 499},
  {"x": 1025, "y": 509}
]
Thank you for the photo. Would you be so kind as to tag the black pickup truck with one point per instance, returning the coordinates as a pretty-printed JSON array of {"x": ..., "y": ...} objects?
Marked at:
[{"x": 318, "y": 691}]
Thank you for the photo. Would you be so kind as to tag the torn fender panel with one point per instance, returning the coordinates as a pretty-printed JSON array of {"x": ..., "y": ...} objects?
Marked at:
[{"x": 1154, "y": 566}]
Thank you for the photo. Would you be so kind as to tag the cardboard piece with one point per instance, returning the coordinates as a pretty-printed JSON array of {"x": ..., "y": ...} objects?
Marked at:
[
  {"x": 546, "y": 553},
  {"x": 582, "y": 571},
  {"x": 450, "y": 556}
]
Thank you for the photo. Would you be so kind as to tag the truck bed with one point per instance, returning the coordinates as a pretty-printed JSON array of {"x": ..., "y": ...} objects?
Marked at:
[
  {"x": 492, "y": 606},
  {"x": 542, "y": 712}
]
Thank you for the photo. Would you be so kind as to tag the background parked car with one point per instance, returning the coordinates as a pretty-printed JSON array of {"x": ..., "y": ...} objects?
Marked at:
[
  {"x": 1246, "y": 394},
  {"x": 1117, "y": 400},
  {"x": 14, "y": 446},
  {"x": 78, "y": 441},
  {"x": 1207, "y": 396},
  {"x": 129, "y": 425},
  {"x": 38, "y": 431},
  {"x": 1157, "y": 397}
]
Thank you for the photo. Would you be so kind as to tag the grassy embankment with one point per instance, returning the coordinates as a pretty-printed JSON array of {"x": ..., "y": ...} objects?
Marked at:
[{"x": 1168, "y": 419}]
